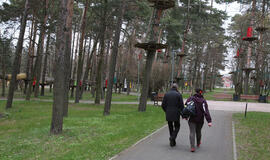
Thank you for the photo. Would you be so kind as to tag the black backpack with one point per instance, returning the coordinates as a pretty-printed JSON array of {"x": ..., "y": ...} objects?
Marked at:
[{"x": 189, "y": 110}]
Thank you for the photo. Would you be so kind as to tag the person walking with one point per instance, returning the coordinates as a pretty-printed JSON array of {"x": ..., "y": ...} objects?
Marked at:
[
  {"x": 196, "y": 122},
  {"x": 172, "y": 105}
]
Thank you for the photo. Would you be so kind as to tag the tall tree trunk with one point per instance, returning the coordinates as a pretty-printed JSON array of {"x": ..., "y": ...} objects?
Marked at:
[
  {"x": 113, "y": 58},
  {"x": 75, "y": 67},
  {"x": 149, "y": 60},
  {"x": 259, "y": 58},
  {"x": 37, "y": 68},
  {"x": 45, "y": 64},
  {"x": 205, "y": 73},
  {"x": 72, "y": 59},
  {"x": 88, "y": 64},
  {"x": 67, "y": 67},
  {"x": 131, "y": 51},
  {"x": 32, "y": 55},
  {"x": 62, "y": 60},
  {"x": 29, "y": 57},
  {"x": 18, "y": 52},
  {"x": 211, "y": 75},
  {"x": 93, "y": 74},
  {"x": 105, "y": 72},
  {"x": 101, "y": 54},
  {"x": 72, "y": 51},
  {"x": 3, "y": 73},
  {"x": 193, "y": 81},
  {"x": 80, "y": 61},
  {"x": 145, "y": 82}
]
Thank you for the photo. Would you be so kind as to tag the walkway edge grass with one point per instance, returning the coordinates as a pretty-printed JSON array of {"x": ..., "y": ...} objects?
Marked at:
[
  {"x": 87, "y": 134},
  {"x": 252, "y": 135},
  {"x": 234, "y": 143},
  {"x": 143, "y": 139}
]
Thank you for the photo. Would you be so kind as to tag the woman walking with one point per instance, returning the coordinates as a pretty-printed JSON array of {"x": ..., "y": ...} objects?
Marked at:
[{"x": 196, "y": 122}]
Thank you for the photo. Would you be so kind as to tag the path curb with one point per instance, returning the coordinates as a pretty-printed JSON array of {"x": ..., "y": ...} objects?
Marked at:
[
  {"x": 234, "y": 143},
  {"x": 117, "y": 155}
]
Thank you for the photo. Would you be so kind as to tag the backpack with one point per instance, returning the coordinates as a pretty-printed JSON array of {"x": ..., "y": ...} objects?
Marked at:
[{"x": 189, "y": 110}]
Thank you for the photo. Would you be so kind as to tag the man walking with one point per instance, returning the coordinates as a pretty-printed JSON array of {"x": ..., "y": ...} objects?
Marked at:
[{"x": 173, "y": 105}]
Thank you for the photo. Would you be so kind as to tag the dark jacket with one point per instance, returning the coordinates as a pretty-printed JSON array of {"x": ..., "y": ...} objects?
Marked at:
[
  {"x": 201, "y": 109},
  {"x": 173, "y": 105}
]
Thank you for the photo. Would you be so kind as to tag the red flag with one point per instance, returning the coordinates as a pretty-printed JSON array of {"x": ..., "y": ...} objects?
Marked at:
[
  {"x": 249, "y": 32},
  {"x": 140, "y": 56}
]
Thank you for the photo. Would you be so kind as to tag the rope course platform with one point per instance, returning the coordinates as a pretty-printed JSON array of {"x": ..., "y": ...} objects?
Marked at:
[
  {"x": 151, "y": 46},
  {"x": 261, "y": 29},
  {"x": 181, "y": 54},
  {"x": 248, "y": 69},
  {"x": 162, "y": 4}
]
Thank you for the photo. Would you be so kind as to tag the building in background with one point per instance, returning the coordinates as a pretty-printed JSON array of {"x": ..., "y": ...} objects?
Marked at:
[{"x": 227, "y": 82}]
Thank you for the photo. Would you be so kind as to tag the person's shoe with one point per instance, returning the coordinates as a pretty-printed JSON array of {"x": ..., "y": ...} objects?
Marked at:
[
  {"x": 192, "y": 150},
  {"x": 172, "y": 142},
  {"x": 198, "y": 145}
]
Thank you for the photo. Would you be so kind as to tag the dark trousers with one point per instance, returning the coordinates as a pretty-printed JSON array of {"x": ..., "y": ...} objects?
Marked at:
[
  {"x": 195, "y": 129},
  {"x": 174, "y": 127}
]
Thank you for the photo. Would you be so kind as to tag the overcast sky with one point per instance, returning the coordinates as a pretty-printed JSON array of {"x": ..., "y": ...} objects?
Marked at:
[{"x": 231, "y": 9}]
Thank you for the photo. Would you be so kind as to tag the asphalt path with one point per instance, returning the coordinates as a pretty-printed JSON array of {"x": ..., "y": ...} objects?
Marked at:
[{"x": 217, "y": 143}]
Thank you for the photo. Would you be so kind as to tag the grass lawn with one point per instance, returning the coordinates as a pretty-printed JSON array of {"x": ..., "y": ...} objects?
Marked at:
[
  {"x": 252, "y": 136},
  {"x": 86, "y": 96},
  {"x": 87, "y": 134},
  {"x": 210, "y": 95}
]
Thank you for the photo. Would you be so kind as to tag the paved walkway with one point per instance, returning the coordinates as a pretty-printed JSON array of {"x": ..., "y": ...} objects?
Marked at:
[{"x": 216, "y": 143}]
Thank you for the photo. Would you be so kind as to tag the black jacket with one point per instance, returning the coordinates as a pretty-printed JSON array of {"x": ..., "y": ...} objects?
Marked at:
[{"x": 173, "y": 105}]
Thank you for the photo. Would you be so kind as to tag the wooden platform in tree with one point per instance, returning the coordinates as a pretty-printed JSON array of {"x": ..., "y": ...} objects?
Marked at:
[
  {"x": 162, "y": 4},
  {"x": 151, "y": 46},
  {"x": 261, "y": 29},
  {"x": 181, "y": 54},
  {"x": 248, "y": 69},
  {"x": 250, "y": 39}
]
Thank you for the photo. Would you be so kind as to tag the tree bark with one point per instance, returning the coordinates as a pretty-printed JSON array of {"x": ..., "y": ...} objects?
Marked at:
[
  {"x": 29, "y": 57},
  {"x": 145, "y": 82},
  {"x": 193, "y": 82},
  {"x": 72, "y": 59},
  {"x": 149, "y": 60},
  {"x": 101, "y": 54},
  {"x": 62, "y": 61},
  {"x": 18, "y": 52},
  {"x": 45, "y": 65},
  {"x": 3, "y": 73},
  {"x": 88, "y": 65},
  {"x": 37, "y": 68},
  {"x": 113, "y": 58},
  {"x": 93, "y": 73},
  {"x": 31, "y": 72},
  {"x": 67, "y": 67},
  {"x": 80, "y": 61},
  {"x": 75, "y": 67},
  {"x": 259, "y": 58},
  {"x": 131, "y": 51}
]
